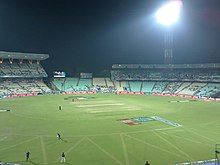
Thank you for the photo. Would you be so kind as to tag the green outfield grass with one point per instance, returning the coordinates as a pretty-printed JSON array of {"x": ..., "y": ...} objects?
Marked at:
[{"x": 91, "y": 134}]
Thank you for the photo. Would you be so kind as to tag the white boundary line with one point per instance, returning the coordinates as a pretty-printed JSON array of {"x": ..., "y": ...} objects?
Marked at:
[
  {"x": 43, "y": 150},
  {"x": 71, "y": 148},
  {"x": 106, "y": 152},
  {"x": 154, "y": 146},
  {"x": 162, "y": 129},
  {"x": 98, "y": 105},
  {"x": 12, "y": 146},
  {"x": 104, "y": 134},
  {"x": 125, "y": 151},
  {"x": 202, "y": 136},
  {"x": 174, "y": 146}
]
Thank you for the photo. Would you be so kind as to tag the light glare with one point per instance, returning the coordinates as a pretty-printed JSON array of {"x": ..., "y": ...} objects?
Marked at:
[{"x": 169, "y": 14}]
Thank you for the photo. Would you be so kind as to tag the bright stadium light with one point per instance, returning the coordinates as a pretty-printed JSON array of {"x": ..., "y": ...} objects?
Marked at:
[
  {"x": 169, "y": 13},
  {"x": 167, "y": 16}
]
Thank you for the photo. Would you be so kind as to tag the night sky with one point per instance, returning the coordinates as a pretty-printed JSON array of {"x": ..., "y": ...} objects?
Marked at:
[{"x": 91, "y": 35}]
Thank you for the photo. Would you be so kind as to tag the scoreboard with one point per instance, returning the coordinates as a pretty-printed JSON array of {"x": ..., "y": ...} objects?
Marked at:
[
  {"x": 85, "y": 75},
  {"x": 59, "y": 74}
]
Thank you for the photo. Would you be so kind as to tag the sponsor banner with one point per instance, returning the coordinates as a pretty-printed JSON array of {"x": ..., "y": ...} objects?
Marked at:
[
  {"x": 2, "y": 163},
  {"x": 201, "y": 162},
  {"x": 128, "y": 121},
  {"x": 22, "y": 95},
  {"x": 131, "y": 93},
  {"x": 166, "y": 121},
  {"x": 143, "y": 119},
  {"x": 135, "y": 120},
  {"x": 65, "y": 93},
  {"x": 210, "y": 99},
  {"x": 176, "y": 95}
]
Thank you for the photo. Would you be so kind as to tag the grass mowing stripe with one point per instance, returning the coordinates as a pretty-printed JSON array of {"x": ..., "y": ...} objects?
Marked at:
[
  {"x": 43, "y": 150},
  {"x": 134, "y": 132},
  {"x": 96, "y": 102},
  {"x": 12, "y": 146},
  {"x": 77, "y": 123},
  {"x": 2, "y": 139},
  {"x": 173, "y": 146},
  {"x": 162, "y": 129},
  {"x": 71, "y": 148},
  {"x": 116, "y": 110},
  {"x": 107, "y": 153},
  {"x": 74, "y": 146},
  {"x": 190, "y": 140},
  {"x": 163, "y": 150},
  {"x": 124, "y": 149},
  {"x": 202, "y": 135},
  {"x": 98, "y": 105},
  {"x": 119, "y": 107},
  {"x": 34, "y": 118}
]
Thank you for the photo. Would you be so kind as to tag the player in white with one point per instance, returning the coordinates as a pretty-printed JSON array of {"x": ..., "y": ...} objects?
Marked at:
[{"x": 63, "y": 159}]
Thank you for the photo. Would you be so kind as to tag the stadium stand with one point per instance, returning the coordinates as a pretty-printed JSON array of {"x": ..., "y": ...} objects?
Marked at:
[
  {"x": 147, "y": 86},
  {"x": 159, "y": 87},
  {"x": 72, "y": 84},
  {"x": 99, "y": 82},
  {"x": 185, "y": 79},
  {"x": 135, "y": 86},
  {"x": 103, "y": 85},
  {"x": 192, "y": 88},
  {"x": 58, "y": 83},
  {"x": 109, "y": 83},
  {"x": 119, "y": 85},
  {"x": 85, "y": 84},
  {"x": 164, "y": 72},
  {"x": 22, "y": 73},
  {"x": 200, "y": 80},
  {"x": 183, "y": 86},
  {"x": 172, "y": 87},
  {"x": 208, "y": 90}
]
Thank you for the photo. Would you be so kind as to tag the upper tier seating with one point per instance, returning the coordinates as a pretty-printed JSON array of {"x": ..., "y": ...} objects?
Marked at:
[
  {"x": 167, "y": 75},
  {"x": 21, "y": 70}
]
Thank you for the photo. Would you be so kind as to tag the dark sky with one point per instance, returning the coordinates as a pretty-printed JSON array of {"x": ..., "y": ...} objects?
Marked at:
[{"x": 91, "y": 35}]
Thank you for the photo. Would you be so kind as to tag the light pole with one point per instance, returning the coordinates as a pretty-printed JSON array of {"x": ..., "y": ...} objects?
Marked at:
[{"x": 167, "y": 16}]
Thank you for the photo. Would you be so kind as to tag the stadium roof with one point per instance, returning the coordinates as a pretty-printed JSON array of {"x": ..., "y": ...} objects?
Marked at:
[
  {"x": 166, "y": 66},
  {"x": 19, "y": 55}
]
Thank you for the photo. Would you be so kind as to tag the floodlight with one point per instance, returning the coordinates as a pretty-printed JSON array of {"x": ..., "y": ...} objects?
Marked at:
[{"x": 169, "y": 13}]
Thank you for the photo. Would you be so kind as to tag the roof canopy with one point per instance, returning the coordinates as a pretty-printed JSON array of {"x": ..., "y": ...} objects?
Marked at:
[
  {"x": 19, "y": 55},
  {"x": 166, "y": 66}
]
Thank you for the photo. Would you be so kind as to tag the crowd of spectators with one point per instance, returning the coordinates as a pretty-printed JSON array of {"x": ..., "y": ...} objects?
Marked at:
[
  {"x": 11, "y": 86},
  {"x": 22, "y": 78},
  {"x": 202, "y": 75},
  {"x": 24, "y": 69}
]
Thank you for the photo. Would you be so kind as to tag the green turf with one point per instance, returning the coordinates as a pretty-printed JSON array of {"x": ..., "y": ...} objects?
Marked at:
[{"x": 92, "y": 135}]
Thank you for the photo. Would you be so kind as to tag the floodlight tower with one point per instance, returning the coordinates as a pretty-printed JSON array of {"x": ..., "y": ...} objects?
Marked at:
[{"x": 168, "y": 15}]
